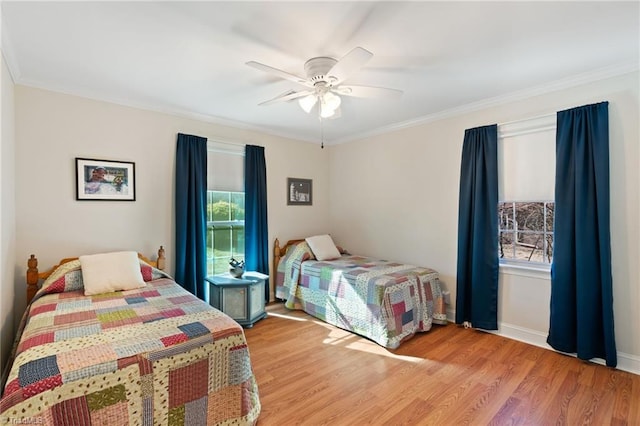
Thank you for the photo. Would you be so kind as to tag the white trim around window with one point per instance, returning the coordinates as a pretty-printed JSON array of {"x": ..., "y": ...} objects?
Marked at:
[
  {"x": 229, "y": 148},
  {"x": 535, "y": 270}
]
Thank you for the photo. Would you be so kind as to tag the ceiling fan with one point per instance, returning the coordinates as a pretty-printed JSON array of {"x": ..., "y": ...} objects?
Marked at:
[{"x": 324, "y": 82}]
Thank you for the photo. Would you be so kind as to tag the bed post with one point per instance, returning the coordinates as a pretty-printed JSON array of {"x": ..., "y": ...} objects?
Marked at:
[
  {"x": 276, "y": 255},
  {"x": 32, "y": 278},
  {"x": 161, "y": 262}
]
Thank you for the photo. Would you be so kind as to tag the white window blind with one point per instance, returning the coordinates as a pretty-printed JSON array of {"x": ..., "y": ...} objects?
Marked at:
[
  {"x": 527, "y": 159},
  {"x": 225, "y": 168}
]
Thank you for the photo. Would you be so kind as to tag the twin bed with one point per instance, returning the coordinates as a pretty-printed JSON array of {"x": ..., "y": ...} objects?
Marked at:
[
  {"x": 387, "y": 302},
  {"x": 154, "y": 354}
]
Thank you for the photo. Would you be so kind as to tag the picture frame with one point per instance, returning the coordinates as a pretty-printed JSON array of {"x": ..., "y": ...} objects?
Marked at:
[
  {"x": 299, "y": 192},
  {"x": 105, "y": 180}
]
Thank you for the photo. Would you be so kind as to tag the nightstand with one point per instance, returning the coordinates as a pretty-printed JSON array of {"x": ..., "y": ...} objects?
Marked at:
[{"x": 240, "y": 298}]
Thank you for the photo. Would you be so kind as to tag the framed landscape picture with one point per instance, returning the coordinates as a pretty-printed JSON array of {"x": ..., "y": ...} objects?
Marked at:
[
  {"x": 299, "y": 192},
  {"x": 105, "y": 180}
]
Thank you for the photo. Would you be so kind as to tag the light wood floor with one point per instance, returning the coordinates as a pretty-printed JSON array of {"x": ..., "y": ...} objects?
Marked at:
[{"x": 311, "y": 373}]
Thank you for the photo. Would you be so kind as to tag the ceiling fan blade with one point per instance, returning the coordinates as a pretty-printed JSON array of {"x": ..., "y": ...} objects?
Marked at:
[
  {"x": 279, "y": 73},
  {"x": 368, "y": 92},
  {"x": 349, "y": 63},
  {"x": 289, "y": 95}
]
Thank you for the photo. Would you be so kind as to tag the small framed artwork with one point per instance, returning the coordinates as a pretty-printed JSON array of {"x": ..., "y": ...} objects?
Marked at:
[
  {"x": 299, "y": 192},
  {"x": 105, "y": 180}
]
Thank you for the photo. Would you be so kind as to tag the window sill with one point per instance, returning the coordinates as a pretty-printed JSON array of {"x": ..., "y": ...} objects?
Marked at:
[{"x": 540, "y": 272}]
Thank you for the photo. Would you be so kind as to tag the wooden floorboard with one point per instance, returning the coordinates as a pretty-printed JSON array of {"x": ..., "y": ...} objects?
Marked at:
[{"x": 312, "y": 373}]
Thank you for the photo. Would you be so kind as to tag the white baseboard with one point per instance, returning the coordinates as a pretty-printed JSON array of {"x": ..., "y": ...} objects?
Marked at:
[{"x": 626, "y": 362}]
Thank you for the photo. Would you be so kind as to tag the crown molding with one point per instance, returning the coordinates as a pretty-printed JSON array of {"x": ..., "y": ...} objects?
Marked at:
[
  {"x": 576, "y": 80},
  {"x": 177, "y": 112},
  {"x": 554, "y": 86}
]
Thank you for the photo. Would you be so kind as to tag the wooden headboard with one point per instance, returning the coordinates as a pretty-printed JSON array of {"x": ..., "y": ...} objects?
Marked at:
[
  {"x": 278, "y": 252},
  {"x": 33, "y": 276}
]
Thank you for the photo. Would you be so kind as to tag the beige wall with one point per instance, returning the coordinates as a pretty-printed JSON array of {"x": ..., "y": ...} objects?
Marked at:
[
  {"x": 396, "y": 196},
  {"x": 7, "y": 212},
  {"x": 393, "y": 196},
  {"x": 52, "y": 129}
]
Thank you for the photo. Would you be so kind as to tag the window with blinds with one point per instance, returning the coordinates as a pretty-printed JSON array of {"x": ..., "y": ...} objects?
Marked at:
[
  {"x": 526, "y": 181},
  {"x": 225, "y": 207}
]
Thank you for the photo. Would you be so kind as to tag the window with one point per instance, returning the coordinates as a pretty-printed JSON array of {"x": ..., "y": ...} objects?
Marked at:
[
  {"x": 526, "y": 181},
  {"x": 225, "y": 229},
  {"x": 225, "y": 205},
  {"x": 526, "y": 231}
]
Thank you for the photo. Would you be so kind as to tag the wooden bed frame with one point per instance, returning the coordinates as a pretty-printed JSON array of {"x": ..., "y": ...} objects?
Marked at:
[
  {"x": 33, "y": 276},
  {"x": 279, "y": 252}
]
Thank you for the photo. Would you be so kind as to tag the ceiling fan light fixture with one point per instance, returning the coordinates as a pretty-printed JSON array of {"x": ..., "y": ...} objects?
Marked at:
[
  {"x": 325, "y": 111},
  {"x": 332, "y": 101},
  {"x": 323, "y": 82},
  {"x": 308, "y": 102},
  {"x": 329, "y": 103}
]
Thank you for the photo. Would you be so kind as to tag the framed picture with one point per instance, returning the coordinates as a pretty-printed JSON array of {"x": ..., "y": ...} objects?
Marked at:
[
  {"x": 299, "y": 192},
  {"x": 105, "y": 180}
]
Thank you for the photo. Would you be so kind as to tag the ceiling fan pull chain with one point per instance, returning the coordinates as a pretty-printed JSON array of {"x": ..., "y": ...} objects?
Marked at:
[{"x": 321, "y": 134}]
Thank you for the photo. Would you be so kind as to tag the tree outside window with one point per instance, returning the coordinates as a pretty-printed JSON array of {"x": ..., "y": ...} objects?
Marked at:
[
  {"x": 526, "y": 231},
  {"x": 225, "y": 230}
]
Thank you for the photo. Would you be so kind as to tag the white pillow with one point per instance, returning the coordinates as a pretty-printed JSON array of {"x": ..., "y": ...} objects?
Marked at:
[
  {"x": 107, "y": 272},
  {"x": 323, "y": 247}
]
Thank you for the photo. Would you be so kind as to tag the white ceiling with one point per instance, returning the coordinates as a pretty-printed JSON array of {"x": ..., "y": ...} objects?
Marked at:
[{"x": 189, "y": 58}]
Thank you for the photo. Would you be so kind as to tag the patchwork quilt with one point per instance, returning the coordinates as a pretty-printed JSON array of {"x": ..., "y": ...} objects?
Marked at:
[
  {"x": 153, "y": 355},
  {"x": 387, "y": 302}
]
